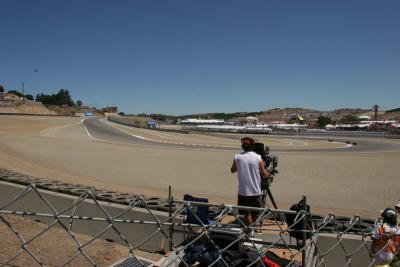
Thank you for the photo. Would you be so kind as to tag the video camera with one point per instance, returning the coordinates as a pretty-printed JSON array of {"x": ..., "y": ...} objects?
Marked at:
[{"x": 271, "y": 163}]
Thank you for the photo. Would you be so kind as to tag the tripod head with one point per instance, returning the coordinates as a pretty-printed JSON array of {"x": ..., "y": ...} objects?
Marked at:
[{"x": 271, "y": 161}]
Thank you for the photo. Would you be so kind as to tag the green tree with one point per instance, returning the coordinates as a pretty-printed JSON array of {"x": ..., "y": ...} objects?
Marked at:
[
  {"x": 15, "y": 92},
  {"x": 79, "y": 103},
  {"x": 46, "y": 99},
  {"x": 29, "y": 97},
  {"x": 349, "y": 119},
  {"x": 60, "y": 99},
  {"x": 64, "y": 98},
  {"x": 323, "y": 121},
  {"x": 1, "y": 89}
]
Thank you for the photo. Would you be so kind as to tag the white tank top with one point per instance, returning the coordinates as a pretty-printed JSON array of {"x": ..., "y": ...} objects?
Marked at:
[{"x": 247, "y": 164}]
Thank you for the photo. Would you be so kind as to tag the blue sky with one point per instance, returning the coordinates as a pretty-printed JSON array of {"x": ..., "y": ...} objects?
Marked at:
[{"x": 181, "y": 57}]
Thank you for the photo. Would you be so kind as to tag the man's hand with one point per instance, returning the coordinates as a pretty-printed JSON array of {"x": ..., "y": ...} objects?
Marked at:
[
  {"x": 264, "y": 173},
  {"x": 233, "y": 168}
]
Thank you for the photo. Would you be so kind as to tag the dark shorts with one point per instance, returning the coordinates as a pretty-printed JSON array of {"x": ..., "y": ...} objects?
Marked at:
[{"x": 249, "y": 201}]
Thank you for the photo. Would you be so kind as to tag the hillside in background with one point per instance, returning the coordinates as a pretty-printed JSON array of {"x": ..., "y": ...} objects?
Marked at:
[
  {"x": 276, "y": 114},
  {"x": 27, "y": 107},
  {"x": 393, "y": 114}
]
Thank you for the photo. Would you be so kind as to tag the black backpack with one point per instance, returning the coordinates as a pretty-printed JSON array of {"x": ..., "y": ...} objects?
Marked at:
[{"x": 296, "y": 224}]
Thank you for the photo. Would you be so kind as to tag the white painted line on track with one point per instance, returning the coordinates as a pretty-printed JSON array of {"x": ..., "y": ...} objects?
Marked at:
[
  {"x": 164, "y": 142},
  {"x": 87, "y": 131},
  {"x": 100, "y": 140},
  {"x": 341, "y": 143}
]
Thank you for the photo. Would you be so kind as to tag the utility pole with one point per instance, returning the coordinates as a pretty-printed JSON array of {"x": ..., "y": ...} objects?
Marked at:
[
  {"x": 376, "y": 108},
  {"x": 23, "y": 90}
]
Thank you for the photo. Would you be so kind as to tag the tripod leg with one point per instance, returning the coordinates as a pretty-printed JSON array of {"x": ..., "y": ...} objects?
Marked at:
[
  {"x": 263, "y": 198},
  {"x": 271, "y": 198},
  {"x": 274, "y": 203}
]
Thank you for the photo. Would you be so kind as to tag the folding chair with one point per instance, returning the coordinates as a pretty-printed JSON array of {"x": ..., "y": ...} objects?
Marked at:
[{"x": 200, "y": 211}]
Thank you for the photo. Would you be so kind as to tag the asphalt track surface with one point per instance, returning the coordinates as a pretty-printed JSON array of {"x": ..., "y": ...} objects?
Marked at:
[{"x": 104, "y": 132}]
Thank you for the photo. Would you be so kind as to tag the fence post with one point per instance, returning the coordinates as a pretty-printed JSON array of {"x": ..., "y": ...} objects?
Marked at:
[
  {"x": 304, "y": 228},
  {"x": 171, "y": 227}
]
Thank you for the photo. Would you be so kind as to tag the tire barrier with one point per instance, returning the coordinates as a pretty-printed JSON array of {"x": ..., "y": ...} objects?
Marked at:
[
  {"x": 358, "y": 227},
  {"x": 342, "y": 224},
  {"x": 78, "y": 191},
  {"x": 317, "y": 220},
  {"x": 60, "y": 188},
  {"x": 164, "y": 206},
  {"x": 329, "y": 227},
  {"x": 109, "y": 197},
  {"x": 153, "y": 203}
]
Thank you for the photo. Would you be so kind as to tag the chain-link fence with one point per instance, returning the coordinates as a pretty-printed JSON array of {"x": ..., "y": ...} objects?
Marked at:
[{"x": 191, "y": 231}]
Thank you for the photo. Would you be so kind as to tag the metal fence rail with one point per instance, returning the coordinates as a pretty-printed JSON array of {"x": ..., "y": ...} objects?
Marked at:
[
  {"x": 219, "y": 238},
  {"x": 294, "y": 133}
]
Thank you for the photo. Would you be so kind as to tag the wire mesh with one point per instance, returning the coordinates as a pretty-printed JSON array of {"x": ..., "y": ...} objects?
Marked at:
[{"x": 212, "y": 241}]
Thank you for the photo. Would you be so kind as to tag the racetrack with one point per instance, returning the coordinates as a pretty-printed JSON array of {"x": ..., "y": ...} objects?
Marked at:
[
  {"x": 362, "y": 179},
  {"x": 116, "y": 133}
]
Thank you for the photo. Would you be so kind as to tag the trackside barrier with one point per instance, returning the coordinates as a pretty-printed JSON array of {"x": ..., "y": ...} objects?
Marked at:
[
  {"x": 127, "y": 123},
  {"x": 290, "y": 133},
  {"x": 154, "y": 203},
  {"x": 221, "y": 237}
]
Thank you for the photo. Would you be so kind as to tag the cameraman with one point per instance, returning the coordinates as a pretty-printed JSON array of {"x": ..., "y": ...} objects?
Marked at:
[{"x": 250, "y": 168}]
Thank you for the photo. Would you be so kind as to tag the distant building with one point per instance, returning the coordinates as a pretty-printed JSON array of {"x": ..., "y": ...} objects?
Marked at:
[
  {"x": 253, "y": 120},
  {"x": 364, "y": 118},
  {"x": 202, "y": 122},
  {"x": 110, "y": 110}
]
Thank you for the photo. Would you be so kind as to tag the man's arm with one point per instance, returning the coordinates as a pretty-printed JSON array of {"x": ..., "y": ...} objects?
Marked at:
[
  {"x": 264, "y": 173},
  {"x": 233, "y": 168}
]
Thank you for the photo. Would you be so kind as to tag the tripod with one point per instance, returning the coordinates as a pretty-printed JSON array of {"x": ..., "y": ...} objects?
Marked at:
[{"x": 266, "y": 191}]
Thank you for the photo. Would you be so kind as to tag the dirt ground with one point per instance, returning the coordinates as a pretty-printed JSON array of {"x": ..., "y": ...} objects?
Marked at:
[{"x": 56, "y": 247}]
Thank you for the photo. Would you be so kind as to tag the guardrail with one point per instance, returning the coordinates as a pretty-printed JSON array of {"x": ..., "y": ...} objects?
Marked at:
[
  {"x": 292, "y": 133},
  {"x": 335, "y": 133},
  {"x": 126, "y": 123},
  {"x": 222, "y": 236}
]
